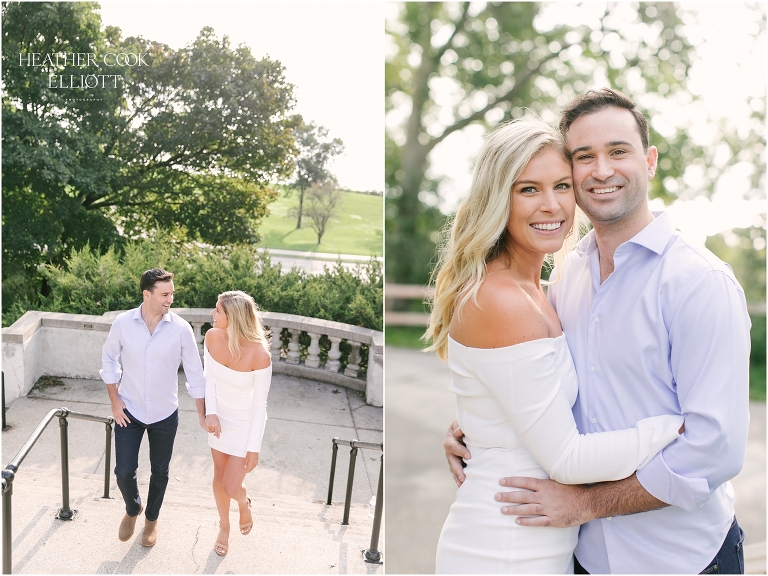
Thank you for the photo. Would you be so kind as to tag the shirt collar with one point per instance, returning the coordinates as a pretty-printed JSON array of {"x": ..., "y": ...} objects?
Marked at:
[
  {"x": 586, "y": 244},
  {"x": 136, "y": 315},
  {"x": 655, "y": 236}
]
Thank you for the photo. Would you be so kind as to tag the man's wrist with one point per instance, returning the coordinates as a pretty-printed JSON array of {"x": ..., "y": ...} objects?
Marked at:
[
  {"x": 585, "y": 504},
  {"x": 618, "y": 498}
]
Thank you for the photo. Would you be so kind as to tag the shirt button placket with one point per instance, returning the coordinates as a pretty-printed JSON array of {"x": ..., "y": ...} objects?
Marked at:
[{"x": 592, "y": 346}]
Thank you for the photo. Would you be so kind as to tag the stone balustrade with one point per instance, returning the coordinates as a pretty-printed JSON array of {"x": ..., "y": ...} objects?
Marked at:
[{"x": 69, "y": 345}]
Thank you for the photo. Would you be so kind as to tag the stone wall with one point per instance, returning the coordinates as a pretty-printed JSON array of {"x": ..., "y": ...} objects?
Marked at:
[{"x": 69, "y": 345}]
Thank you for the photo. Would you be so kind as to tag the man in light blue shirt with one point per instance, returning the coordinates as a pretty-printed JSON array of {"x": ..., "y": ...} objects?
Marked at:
[
  {"x": 655, "y": 326},
  {"x": 151, "y": 341}
]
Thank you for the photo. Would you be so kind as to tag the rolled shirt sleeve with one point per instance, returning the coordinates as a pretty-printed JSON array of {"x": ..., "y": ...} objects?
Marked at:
[
  {"x": 193, "y": 367},
  {"x": 709, "y": 358},
  {"x": 111, "y": 371}
]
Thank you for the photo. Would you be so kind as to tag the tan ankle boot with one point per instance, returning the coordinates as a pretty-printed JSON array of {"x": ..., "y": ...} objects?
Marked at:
[
  {"x": 127, "y": 526},
  {"x": 149, "y": 536}
]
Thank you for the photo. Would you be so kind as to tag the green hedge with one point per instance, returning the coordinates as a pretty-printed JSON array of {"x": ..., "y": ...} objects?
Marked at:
[{"x": 93, "y": 283}]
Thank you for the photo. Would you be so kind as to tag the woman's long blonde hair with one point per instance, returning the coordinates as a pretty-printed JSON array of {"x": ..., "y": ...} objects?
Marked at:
[
  {"x": 243, "y": 317},
  {"x": 478, "y": 232}
]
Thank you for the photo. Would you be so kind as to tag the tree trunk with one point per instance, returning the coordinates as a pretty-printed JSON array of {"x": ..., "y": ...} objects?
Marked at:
[{"x": 301, "y": 207}]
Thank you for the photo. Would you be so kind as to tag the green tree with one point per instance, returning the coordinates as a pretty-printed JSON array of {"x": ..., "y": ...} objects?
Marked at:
[
  {"x": 496, "y": 61},
  {"x": 186, "y": 143},
  {"x": 323, "y": 199},
  {"x": 315, "y": 153},
  {"x": 209, "y": 128},
  {"x": 744, "y": 250}
]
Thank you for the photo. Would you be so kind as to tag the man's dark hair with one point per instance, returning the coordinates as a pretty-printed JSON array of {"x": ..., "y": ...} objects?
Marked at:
[
  {"x": 152, "y": 277},
  {"x": 596, "y": 100}
]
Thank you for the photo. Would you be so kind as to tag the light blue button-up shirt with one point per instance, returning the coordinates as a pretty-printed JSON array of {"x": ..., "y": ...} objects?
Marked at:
[
  {"x": 149, "y": 383},
  {"x": 666, "y": 333}
]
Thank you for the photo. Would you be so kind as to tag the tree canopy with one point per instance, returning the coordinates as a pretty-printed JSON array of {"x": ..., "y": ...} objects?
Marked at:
[
  {"x": 316, "y": 151},
  {"x": 323, "y": 200},
  {"x": 452, "y": 65},
  {"x": 185, "y": 141}
]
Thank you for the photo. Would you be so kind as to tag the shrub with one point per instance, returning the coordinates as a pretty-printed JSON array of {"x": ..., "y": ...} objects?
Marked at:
[{"x": 93, "y": 283}]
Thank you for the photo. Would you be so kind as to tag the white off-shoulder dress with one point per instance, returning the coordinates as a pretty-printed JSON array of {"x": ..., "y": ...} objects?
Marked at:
[
  {"x": 239, "y": 399},
  {"x": 514, "y": 407}
]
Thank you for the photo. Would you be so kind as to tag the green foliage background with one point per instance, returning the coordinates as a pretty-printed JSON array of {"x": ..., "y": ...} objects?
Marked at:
[
  {"x": 93, "y": 283},
  {"x": 450, "y": 65},
  {"x": 187, "y": 144}
]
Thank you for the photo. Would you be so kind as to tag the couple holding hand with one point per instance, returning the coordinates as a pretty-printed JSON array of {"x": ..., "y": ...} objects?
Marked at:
[{"x": 230, "y": 396}]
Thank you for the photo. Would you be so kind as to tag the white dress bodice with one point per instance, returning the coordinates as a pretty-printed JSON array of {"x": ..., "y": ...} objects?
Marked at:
[
  {"x": 239, "y": 399},
  {"x": 514, "y": 407}
]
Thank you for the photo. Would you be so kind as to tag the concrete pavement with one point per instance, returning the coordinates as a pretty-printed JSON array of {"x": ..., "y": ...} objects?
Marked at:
[
  {"x": 420, "y": 489},
  {"x": 314, "y": 262},
  {"x": 294, "y": 532}
]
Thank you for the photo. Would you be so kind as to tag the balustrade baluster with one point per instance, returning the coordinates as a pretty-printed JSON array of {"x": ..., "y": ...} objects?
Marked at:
[
  {"x": 197, "y": 328},
  {"x": 353, "y": 365},
  {"x": 276, "y": 344},
  {"x": 333, "y": 364},
  {"x": 293, "y": 348},
  {"x": 313, "y": 350}
]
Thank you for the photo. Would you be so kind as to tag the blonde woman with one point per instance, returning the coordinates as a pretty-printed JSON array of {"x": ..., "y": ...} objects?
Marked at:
[
  {"x": 513, "y": 375},
  {"x": 238, "y": 371}
]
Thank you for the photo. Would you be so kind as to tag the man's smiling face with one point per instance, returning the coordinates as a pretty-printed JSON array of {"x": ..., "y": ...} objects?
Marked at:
[
  {"x": 610, "y": 168},
  {"x": 159, "y": 300}
]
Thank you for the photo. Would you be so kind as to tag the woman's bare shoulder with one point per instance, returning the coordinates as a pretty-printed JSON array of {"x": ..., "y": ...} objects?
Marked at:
[
  {"x": 504, "y": 316},
  {"x": 258, "y": 355},
  {"x": 215, "y": 335}
]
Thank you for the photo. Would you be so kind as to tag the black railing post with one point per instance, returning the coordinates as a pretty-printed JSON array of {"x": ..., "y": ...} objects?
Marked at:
[
  {"x": 7, "y": 525},
  {"x": 107, "y": 459},
  {"x": 2, "y": 378},
  {"x": 333, "y": 471},
  {"x": 350, "y": 480},
  {"x": 65, "y": 513},
  {"x": 372, "y": 555}
]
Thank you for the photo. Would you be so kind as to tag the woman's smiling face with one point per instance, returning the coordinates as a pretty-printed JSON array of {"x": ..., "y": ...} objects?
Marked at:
[
  {"x": 542, "y": 204},
  {"x": 219, "y": 317}
]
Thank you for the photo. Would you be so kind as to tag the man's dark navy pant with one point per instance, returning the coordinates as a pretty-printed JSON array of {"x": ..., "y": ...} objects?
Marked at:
[{"x": 127, "y": 443}]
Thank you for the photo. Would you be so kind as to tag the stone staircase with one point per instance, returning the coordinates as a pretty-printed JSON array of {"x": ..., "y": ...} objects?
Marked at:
[
  {"x": 290, "y": 534},
  {"x": 294, "y": 531}
]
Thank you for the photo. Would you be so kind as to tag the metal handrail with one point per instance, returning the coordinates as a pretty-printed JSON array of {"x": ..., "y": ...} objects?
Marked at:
[
  {"x": 5, "y": 408},
  {"x": 2, "y": 383},
  {"x": 8, "y": 475},
  {"x": 370, "y": 555}
]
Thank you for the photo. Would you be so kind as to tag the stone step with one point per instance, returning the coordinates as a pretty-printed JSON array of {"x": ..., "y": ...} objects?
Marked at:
[
  {"x": 179, "y": 492},
  {"x": 290, "y": 534},
  {"x": 46, "y": 484}
]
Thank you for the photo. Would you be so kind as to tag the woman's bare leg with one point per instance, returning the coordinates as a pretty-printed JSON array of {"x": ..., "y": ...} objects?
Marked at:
[
  {"x": 220, "y": 462},
  {"x": 234, "y": 474}
]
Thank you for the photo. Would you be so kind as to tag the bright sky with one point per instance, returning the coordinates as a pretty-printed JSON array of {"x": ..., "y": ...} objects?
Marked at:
[
  {"x": 332, "y": 52},
  {"x": 730, "y": 72}
]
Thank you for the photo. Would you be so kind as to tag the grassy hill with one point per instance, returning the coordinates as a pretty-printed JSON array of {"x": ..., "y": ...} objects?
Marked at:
[{"x": 358, "y": 228}]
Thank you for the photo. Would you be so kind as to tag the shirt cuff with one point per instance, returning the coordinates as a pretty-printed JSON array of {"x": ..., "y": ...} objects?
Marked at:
[
  {"x": 110, "y": 377},
  {"x": 670, "y": 487},
  {"x": 196, "y": 391}
]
